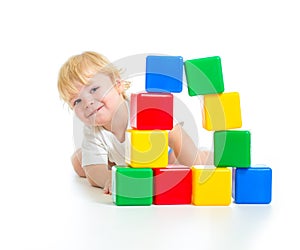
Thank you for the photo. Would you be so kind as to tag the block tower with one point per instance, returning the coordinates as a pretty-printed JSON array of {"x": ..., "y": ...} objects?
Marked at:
[
  {"x": 221, "y": 113},
  {"x": 147, "y": 178}
]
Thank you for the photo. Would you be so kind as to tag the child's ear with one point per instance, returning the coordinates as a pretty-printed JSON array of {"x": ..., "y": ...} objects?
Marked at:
[{"x": 120, "y": 86}]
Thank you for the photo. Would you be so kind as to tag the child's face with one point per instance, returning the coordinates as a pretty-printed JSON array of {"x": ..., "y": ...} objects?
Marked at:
[{"x": 96, "y": 103}]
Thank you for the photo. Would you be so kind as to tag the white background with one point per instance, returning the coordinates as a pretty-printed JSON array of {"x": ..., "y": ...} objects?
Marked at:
[{"x": 45, "y": 206}]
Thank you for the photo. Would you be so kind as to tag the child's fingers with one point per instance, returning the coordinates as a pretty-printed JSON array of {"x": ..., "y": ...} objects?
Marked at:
[{"x": 105, "y": 190}]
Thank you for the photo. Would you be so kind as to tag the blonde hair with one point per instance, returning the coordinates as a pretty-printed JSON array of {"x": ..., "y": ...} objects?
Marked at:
[{"x": 80, "y": 69}]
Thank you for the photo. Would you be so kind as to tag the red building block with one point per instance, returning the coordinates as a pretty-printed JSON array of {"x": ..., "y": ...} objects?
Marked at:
[
  {"x": 149, "y": 111},
  {"x": 172, "y": 185}
]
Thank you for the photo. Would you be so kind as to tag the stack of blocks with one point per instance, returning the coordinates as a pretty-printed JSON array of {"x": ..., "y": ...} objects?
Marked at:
[
  {"x": 148, "y": 179},
  {"x": 232, "y": 148}
]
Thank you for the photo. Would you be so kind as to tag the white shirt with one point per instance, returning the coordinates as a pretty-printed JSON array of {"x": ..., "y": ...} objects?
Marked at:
[{"x": 100, "y": 145}]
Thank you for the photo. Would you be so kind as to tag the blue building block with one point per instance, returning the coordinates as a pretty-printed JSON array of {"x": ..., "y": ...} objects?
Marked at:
[
  {"x": 252, "y": 185},
  {"x": 164, "y": 74}
]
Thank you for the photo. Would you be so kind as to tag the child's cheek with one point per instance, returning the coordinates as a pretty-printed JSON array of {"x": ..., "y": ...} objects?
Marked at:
[{"x": 80, "y": 115}]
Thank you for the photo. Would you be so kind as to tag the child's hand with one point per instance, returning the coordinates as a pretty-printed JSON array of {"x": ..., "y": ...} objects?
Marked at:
[
  {"x": 107, "y": 187},
  {"x": 206, "y": 157}
]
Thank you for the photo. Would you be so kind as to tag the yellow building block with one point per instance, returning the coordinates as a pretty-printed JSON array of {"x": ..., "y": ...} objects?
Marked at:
[
  {"x": 146, "y": 148},
  {"x": 211, "y": 186},
  {"x": 222, "y": 111}
]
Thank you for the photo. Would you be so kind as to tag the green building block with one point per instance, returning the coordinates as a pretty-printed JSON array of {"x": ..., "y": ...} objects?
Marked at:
[
  {"x": 232, "y": 148},
  {"x": 132, "y": 186},
  {"x": 204, "y": 76}
]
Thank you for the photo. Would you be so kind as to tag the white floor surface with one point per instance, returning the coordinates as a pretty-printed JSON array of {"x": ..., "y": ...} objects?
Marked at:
[{"x": 63, "y": 212}]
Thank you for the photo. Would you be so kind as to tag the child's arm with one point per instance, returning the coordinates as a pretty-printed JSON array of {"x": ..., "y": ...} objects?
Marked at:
[
  {"x": 185, "y": 150},
  {"x": 99, "y": 176}
]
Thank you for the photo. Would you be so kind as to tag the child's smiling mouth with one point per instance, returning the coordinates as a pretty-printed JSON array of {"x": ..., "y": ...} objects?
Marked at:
[{"x": 95, "y": 111}]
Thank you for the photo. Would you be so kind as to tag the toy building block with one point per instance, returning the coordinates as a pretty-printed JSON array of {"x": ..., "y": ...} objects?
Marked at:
[
  {"x": 221, "y": 111},
  {"x": 132, "y": 186},
  {"x": 232, "y": 148},
  {"x": 164, "y": 74},
  {"x": 149, "y": 111},
  {"x": 146, "y": 148},
  {"x": 204, "y": 76},
  {"x": 211, "y": 186},
  {"x": 172, "y": 185},
  {"x": 252, "y": 185}
]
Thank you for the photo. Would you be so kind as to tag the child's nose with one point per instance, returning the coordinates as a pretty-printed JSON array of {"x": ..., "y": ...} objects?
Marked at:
[{"x": 88, "y": 103}]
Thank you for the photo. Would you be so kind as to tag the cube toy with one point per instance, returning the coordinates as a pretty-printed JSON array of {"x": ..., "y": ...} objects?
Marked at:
[
  {"x": 149, "y": 111},
  {"x": 132, "y": 186},
  {"x": 232, "y": 148},
  {"x": 146, "y": 148},
  {"x": 164, "y": 74},
  {"x": 172, "y": 185},
  {"x": 211, "y": 186},
  {"x": 252, "y": 185},
  {"x": 204, "y": 76},
  {"x": 222, "y": 112}
]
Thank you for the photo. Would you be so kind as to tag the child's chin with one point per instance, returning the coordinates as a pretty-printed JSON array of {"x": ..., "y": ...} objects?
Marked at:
[
  {"x": 91, "y": 122},
  {"x": 95, "y": 124}
]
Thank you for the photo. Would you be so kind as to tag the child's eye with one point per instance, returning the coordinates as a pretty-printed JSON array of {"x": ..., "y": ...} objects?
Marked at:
[
  {"x": 93, "y": 90},
  {"x": 76, "y": 102}
]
